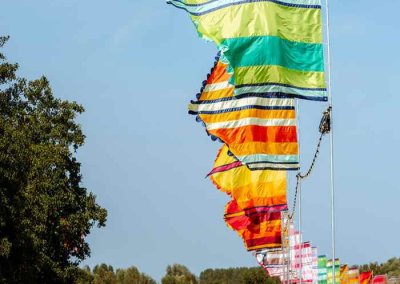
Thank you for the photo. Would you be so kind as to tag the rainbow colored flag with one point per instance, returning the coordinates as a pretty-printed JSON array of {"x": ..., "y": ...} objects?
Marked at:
[{"x": 260, "y": 131}]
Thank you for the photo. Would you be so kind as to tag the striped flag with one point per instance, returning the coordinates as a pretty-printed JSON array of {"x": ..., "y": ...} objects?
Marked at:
[
  {"x": 330, "y": 267},
  {"x": 353, "y": 276},
  {"x": 365, "y": 277},
  {"x": 272, "y": 47},
  {"x": 259, "y": 130}
]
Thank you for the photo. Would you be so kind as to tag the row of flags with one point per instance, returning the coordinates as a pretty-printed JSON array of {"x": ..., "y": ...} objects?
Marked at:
[
  {"x": 299, "y": 262},
  {"x": 270, "y": 53}
]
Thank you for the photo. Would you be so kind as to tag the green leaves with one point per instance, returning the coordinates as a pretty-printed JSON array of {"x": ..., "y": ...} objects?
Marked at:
[{"x": 45, "y": 213}]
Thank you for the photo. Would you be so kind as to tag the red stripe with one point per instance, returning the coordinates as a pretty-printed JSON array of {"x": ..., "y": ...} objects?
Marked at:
[
  {"x": 225, "y": 168},
  {"x": 264, "y": 241},
  {"x": 255, "y": 133}
]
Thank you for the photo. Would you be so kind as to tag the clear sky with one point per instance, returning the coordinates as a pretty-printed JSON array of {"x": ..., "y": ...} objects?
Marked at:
[{"x": 135, "y": 64}]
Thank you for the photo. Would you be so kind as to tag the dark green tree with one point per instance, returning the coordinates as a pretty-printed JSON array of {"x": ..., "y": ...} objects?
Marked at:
[
  {"x": 178, "y": 274},
  {"x": 45, "y": 213}
]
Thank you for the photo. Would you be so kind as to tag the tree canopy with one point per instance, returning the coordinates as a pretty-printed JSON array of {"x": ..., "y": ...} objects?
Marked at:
[{"x": 45, "y": 213}]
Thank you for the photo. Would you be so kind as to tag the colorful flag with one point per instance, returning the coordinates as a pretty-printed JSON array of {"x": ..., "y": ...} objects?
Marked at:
[
  {"x": 258, "y": 230},
  {"x": 379, "y": 279},
  {"x": 315, "y": 265},
  {"x": 260, "y": 131},
  {"x": 272, "y": 47},
  {"x": 322, "y": 270},
  {"x": 254, "y": 191},
  {"x": 330, "y": 266},
  {"x": 273, "y": 261},
  {"x": 365, "y": 277},
  {"x": 344, "y": 274},
  {"x": 353, "y": 276}
]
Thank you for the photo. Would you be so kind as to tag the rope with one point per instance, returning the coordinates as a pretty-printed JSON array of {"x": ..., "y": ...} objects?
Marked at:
[{"x": 324, "y": 128}]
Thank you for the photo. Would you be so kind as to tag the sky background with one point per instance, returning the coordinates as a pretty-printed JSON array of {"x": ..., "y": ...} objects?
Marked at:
[{"x": 134, "y": 65}]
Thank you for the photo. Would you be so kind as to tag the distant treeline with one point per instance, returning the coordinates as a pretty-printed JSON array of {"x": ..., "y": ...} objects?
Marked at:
[{"x": 180, "y": 274}]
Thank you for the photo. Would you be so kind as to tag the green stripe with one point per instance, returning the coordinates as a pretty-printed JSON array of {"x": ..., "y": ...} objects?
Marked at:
[{"x": 272, "y": 50}]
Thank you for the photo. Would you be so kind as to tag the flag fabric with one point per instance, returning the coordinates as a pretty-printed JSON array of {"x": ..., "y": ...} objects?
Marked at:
[
  {"x": 344, "y": 274},
  {"x": 353, "y": 276},
  {"x": 259, "y": 230},
  {"x": 273, "y": 261},
  {"x": 365, "y": 277},
  {"x": 254, "y": 191},
  {"x": 322, "y": 270},
  {"x": 379, "y": 279},
  {"x": 272, "y": 47},
  {"x": 315, "y": 265},
  {"x": 330, "y": 267},
  {"x": 260, "y": 131}
]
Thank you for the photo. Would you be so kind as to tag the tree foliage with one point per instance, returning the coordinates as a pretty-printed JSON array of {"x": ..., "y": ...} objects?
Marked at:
[
  {"x": 45, "y": 213},
  {"x": 390, "y": 268},
  {"x": 104, "y": 274},
  {"x": 241, "y": 275},
  {"x": 178, "y": 274}
]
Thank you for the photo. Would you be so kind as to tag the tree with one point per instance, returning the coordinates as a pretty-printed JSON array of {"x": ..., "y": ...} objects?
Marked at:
[
  {"x": 45, "y": 213},
  {"x": 104, "y": 274},
  {"x": 133, "y": 276},
  {"x": 178, "y": 274},
  {"x": 240, "y": 275}
]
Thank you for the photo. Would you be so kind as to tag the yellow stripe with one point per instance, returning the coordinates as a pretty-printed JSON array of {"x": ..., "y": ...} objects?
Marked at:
[
  {"x": 215, "y": 95},
  {"x": 261, "y": 19},
  {"x": 280, "y": 75},
  {"x": 264, "y": 114}
]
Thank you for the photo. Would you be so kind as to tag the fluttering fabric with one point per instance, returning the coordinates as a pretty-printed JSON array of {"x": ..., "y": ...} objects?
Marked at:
[
  {"x": 273, "y": 261},
  {"x": 344, "y": 274},
  {"x": 260, "y": 131},
  {"x": 365, "y": 277},
  {"x": 301, "y": 262},
  {"x": 258, "y": 230},
  {"x": 322, "y": 270},
  {"x": 315, "y": 265},
  {"x": 254, "y": 191},
  {"x": 379, "y": 279},
  {"x": 330, "y": 266},
  {"x": 258, "y": 197},
  {"x": 272, "y": 47},
  {"x": 353, "y": 276}
]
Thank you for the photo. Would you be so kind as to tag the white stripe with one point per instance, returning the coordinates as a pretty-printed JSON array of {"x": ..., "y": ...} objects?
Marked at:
[
  {"x": 217, "y": 86},
  {"x": 237, "y": 103},
  {"x": 212, "y": 5},
  {"x": 251, "y": 121},
  {"x": 274, "y": 166}
]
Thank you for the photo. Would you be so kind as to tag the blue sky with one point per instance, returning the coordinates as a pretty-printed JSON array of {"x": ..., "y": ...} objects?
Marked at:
[{"x": 134, "y": 65}]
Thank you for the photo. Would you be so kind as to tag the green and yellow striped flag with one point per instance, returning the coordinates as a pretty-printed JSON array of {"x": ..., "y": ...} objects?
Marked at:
[{"x": 273, "y": 47}]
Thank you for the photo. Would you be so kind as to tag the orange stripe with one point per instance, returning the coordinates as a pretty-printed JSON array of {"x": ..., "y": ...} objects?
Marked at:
[
  {"x": 258, "y": 113},
  {"x": 219, "y": 74},
  {"x": 265, "y": 148}
]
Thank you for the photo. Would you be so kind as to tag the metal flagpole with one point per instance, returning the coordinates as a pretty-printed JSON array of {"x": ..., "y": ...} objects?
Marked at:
[
  {"x": 333, "y": 217},
  {"x": 299, "y": 193}
]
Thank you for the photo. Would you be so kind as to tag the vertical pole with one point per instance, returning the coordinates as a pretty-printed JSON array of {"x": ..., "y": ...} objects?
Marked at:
[
  {"x": 300, "y": 273},
  {"x": 333, "y": 217},
  {"x": 301, "y": 237}
]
